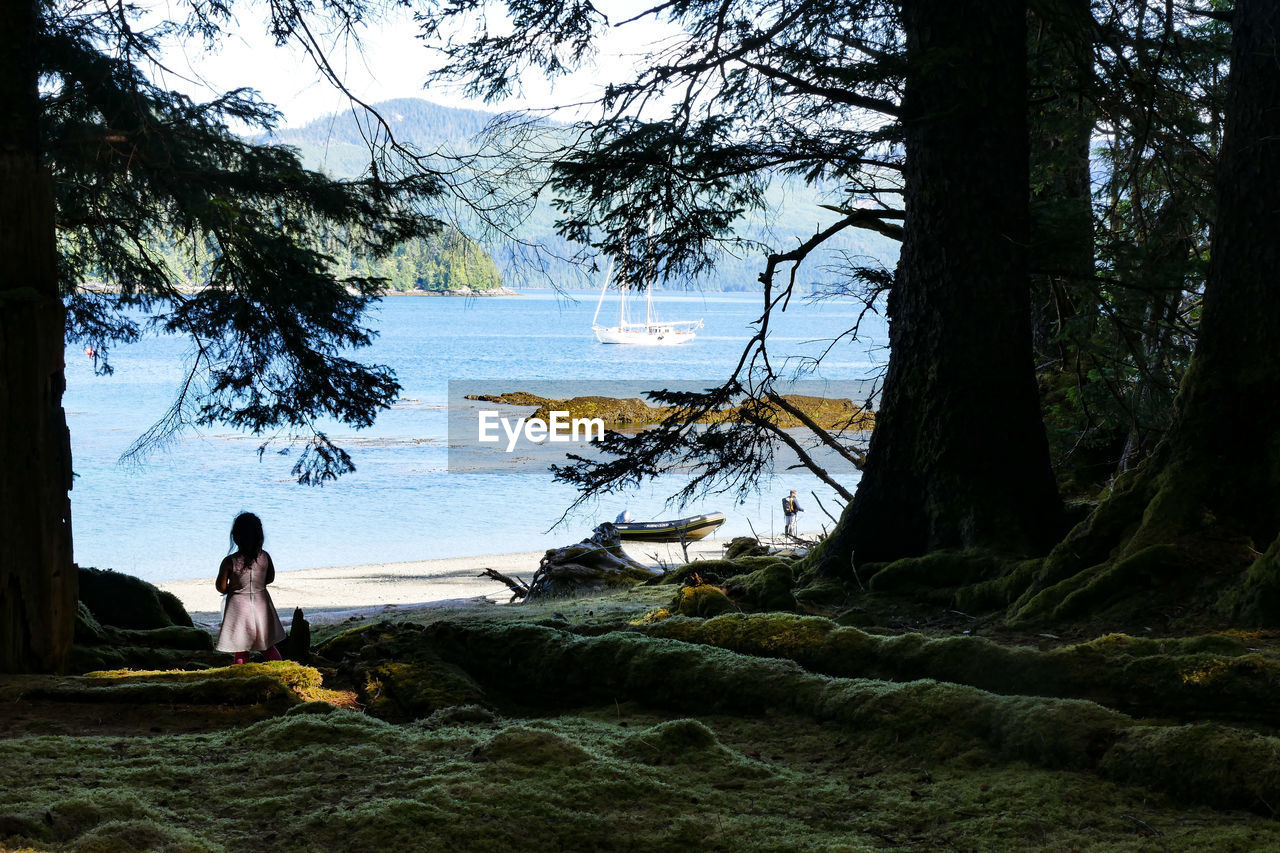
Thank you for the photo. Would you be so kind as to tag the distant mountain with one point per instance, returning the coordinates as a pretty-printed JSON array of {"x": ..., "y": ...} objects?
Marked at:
[{"x": 336, "y": 144}]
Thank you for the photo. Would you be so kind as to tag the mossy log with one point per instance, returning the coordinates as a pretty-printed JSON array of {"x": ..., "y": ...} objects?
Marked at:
[{"x": 594, "y": 565}]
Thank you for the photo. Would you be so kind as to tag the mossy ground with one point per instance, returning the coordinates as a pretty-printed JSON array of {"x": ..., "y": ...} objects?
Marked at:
[
  {"x": 588, "y": 734},
  {"x": 616, "y": 777}
]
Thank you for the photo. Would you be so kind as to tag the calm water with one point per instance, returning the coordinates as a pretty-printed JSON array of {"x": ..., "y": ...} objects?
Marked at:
[{"x": 167, "y": 518}]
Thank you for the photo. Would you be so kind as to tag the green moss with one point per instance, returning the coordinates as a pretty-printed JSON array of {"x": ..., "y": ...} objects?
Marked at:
[
  {"x": 314, "y": 707},
  {"x": 651, "y": 617},
  {"x": 998, "y": 592},
  {"x": 124, "y": 601},
  {"x": 1093, "y": 540},
  {"x": 255, "y": 690},
  {"x": 582, "y": 779},
  {"x": 406, "y": 690},
  {"x": 939, "y": 569},
  {"x": 273, "y": 685},
  {"x": 173, "y": 608},
  {"x": 1257, "y": 601},
  {"x": 744, "y": 546},
  {"x": 130, "y": 836},
  {"x": 719, "y": 571},
  {"x": 459, "y": 715},
  {"x": 92, "y": 658},
  {"x": 767, "y": 588},
  {"x": 1177, "y": 677},
  {"x": 1093, "y": 590},
  {"x": 703, "y": 601},
  {"x": 1201, "y": 763},
  {"x": 532, "y": 748},
  {"x": 345, "y": 644},
  {"x": 292, "y": 732},
  {"x": 822, "y": 592},
  {"x": 675, "y": 742},
  {"x": 294, "y": 676},
  {"x": 173, "y": 637},
  {"x": 87, "y": 629}
]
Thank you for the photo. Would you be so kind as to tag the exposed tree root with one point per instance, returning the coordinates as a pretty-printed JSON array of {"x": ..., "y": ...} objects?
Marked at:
[{"x": 534, "y": 664}]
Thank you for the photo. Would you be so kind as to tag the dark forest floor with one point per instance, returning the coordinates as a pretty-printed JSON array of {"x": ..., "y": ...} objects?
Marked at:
[{"x": 565, "y": 727}]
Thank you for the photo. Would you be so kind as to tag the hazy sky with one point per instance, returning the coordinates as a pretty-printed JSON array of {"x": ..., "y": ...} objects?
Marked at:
[{"x": 389, "y": 62}]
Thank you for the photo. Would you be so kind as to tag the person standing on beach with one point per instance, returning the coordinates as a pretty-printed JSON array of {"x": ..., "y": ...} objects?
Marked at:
[
  {"x": 791, "y": 512},
  {"x": 249, "y": 619}
]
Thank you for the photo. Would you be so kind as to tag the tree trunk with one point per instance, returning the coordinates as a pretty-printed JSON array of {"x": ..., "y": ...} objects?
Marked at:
[
  {"x": 1223, "y": 452},
  {"x": 1061, "y": 247},
  {"x": 958, "y": 457},
  {"x": 1208, "y": 499},
  {"x": 37, "y": 577}
]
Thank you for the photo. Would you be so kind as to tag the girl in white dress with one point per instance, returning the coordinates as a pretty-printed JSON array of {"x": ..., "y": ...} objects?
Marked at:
[{"x": 249, "y": 619}]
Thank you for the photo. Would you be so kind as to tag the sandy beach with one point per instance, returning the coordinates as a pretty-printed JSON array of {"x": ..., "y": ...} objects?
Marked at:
[{"x": 333, "y": 594}]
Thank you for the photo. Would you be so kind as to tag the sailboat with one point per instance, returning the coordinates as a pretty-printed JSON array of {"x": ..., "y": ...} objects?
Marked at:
[{"x": 651, "y": 332}]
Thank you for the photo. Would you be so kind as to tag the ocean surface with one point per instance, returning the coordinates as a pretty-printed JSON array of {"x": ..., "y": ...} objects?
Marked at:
[{"x": 167, "y": 517}]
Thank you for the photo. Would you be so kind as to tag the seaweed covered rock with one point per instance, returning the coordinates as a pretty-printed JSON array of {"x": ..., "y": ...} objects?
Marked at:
[
  {"x": 596, "y": 564},
  {"x": 124, "y": 601}
]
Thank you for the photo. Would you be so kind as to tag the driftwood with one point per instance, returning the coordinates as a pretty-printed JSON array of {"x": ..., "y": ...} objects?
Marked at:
[
  {"x": 596, "y": 564},
  {"x": 519, "y": 589}
]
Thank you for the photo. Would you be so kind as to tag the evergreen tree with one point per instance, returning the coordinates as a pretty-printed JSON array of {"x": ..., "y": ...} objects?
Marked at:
[
  {"x": 91, "y": 145},
  {"x": 958, "y": 457},
  {"x": 1202, "y": 511}
]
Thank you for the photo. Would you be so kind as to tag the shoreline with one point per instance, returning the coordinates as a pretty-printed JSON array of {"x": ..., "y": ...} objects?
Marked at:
[{"x": 341, "y": 592}]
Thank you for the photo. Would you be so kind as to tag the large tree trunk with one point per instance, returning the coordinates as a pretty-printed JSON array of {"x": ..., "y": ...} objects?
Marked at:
[
  {"x": 1223, "y": 451},
  {"x": 37, "y": 577},
  {"x": 1208, "y": 499},
  {"x": 958, "y": 457}
]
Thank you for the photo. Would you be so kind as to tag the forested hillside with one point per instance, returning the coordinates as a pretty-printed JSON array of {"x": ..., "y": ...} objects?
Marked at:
[
  {"x": 446, "y": 262},
  {"x": 337, "y": 145}
]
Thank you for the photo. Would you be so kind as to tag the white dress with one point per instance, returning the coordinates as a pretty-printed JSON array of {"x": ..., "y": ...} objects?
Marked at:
[{"x": 249, "y": 618}]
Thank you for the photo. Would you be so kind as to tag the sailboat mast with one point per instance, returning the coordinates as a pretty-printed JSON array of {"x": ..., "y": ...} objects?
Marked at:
[
  {"x": 608, "y": 275},
  {"x": 648, "y": 289}
]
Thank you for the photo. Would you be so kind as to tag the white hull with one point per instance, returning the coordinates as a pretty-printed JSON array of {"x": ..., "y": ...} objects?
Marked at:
[
  {"x": 653, "y": 336},
  {"x": 653, "y": 332}
]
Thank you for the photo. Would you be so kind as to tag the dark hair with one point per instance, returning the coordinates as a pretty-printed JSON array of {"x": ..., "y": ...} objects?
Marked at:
[{"x": 247, "y": 536}]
